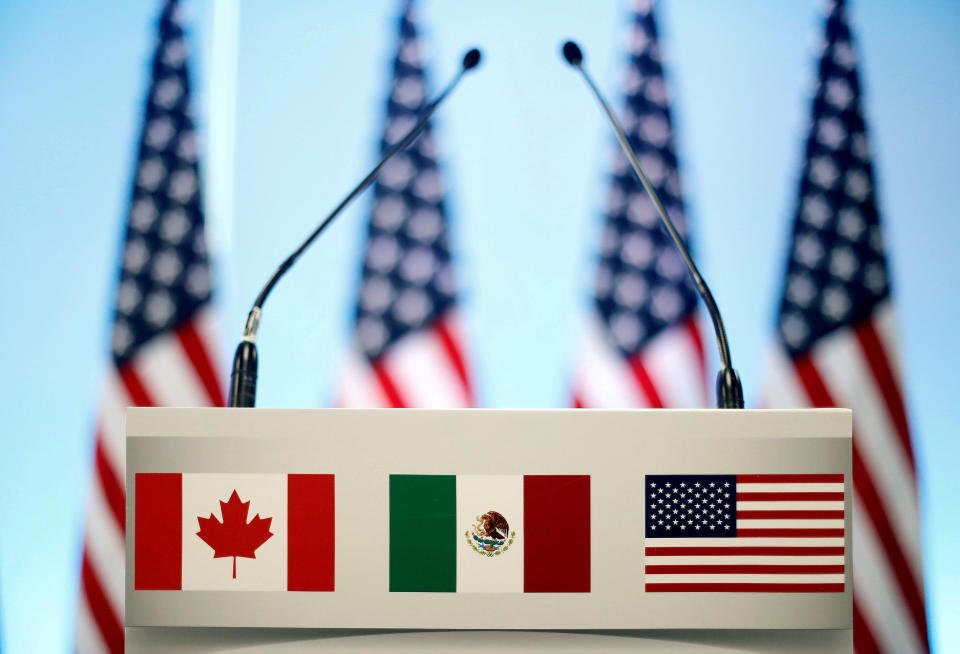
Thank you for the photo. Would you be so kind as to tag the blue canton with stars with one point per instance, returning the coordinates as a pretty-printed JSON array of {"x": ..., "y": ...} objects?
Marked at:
[
  {"x": 837, "y": 271},
  {"x": 408, "y": 278},
  {"x": 690, "y": 506},
  {"x": 165, "y": 275},
  {"x": 642, "y": 286}
]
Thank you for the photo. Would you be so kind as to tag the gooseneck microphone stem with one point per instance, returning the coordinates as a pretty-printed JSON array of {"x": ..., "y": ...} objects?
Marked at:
[
  {"x": 243, "y": 376},
  {"x": 729, "y": 390}
]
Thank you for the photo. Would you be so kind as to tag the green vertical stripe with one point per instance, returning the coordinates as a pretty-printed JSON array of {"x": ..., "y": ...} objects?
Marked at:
[{"x": 423, "y": 530}]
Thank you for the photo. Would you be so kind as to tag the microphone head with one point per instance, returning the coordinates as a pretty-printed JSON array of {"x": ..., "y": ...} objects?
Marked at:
[
  {"x": 572, "y": 53},
  {"x": 471, "y": 59}
]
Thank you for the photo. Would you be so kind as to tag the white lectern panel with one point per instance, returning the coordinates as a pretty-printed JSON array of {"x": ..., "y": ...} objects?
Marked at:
[{"x": 571, "y": 488}]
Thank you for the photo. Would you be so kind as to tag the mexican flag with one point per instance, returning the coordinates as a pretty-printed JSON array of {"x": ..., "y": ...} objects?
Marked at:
[
  {"x": 233, "y": 532},
  {"x": 490, "y": 533}
]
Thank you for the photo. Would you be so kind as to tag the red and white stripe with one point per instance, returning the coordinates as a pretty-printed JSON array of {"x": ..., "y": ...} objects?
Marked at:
[
  {"x": 670, "y": 371},
  {"x": 858, "y": 368},
  {"x": 176, "y": 369},
  {"x": 790, "y": 539},
  {"x": 425, "y": 369}
]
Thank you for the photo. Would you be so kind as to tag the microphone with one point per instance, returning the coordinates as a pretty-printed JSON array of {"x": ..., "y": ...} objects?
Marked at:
[
  {"x": 729, "y": 390},
  {"x": 243, "y": 376}
]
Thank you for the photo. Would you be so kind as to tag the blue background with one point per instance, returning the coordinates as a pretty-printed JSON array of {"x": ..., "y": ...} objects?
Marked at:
[{"x": 525, "y": 152}]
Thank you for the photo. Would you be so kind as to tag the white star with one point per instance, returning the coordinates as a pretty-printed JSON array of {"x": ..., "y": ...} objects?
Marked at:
[
  {"x": 135, "y": 255},
  {"x": 128, "y": 296},
  {"x": 670, "y": 266},
  {"x": 667, "y": 303},
  {"x": 655, "y": 91},
  {"x": 631, "y": 290},
  {"x": 445, "y": 281},
  {"x": 159, "y": 307},
  {"x": 376, "y": 294},
  {"x": 857, "y": 184},
  {"x": 166, "y": 267},
  {"x": 174, "y": 225},
  {"x": 383, "y": 253},
  {"x": 637, "y": 249},
  {"x": 174, "y": 53},
  {"x": 159, "y": 132},
  {"x": 843, "y": 263},
  {"x": 628, "y": 119},
  {"x": 187, "y": 147},
  {"x": 808, "y": 250},
  {"x": 637, "y": 40},
  {"x": 150, "y": 173},
  {"x": 428, "y": 186},
  {"x": 875, "y": 277},
  {"x": 640, "y": 210},
  {"x": 794, "y": 329},
  {"x": 843, "y": 55},
  {"x": 656, "y": 130},
  {"x": 371, "y": 333},
  {"x": 616, "y": 200},
  {"x": 850, "y": 223},
  {"x": 397, "y": 173},
  {"x": 198, "y": 281},
  {"x": 409, "y": 92},
  {"x": 167, "y": 92},
  {"x": 823, "y": 172},
  {"x": 836, "y": 303},
  {"x": 418, "y": 266},
  {"x": 831, "y": 133},
  {"x": 143, "y": 213},
  {"x": 199, "y": 244},
  {"x": 838, "y": 93},
  {"x": 859, "y": 146},
  {"x": 633, "y": 81},
  {"x": 425, "y": 225},
  {"x": 389, "y": 212},
  {"x": 603, "y": 280},
  {"x": 183, "y": 184},
  {"x": 410, "y": 53},
  {"x": 815, "y": 210},
  {"x": 121, "y": 338},
  {"x": 397, "y": 127},
  {"x": 627, "y": 330},
  {"x": 653, "y": 166},
  {"x": 412, "y": 306}
]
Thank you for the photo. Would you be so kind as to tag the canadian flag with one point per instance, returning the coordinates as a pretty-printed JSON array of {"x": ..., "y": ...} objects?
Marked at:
[{"x": 233, "y": 532}]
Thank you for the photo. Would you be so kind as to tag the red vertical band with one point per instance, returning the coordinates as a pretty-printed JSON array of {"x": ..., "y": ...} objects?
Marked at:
[
  {"x": 310, "y": 532},
  {"x": 556, "y": 533},
  {"x": 158, "y": 528}
]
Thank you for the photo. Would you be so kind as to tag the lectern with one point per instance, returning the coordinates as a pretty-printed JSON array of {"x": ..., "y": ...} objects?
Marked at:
[{"x": 643, "y": 530}]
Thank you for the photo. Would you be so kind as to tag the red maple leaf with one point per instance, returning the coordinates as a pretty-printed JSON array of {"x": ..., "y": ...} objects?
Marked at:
[{"x": 234, "y": 536}]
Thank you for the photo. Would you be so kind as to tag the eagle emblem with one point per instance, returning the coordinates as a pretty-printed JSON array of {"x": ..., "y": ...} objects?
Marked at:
[{"x": 490, "y": 534}]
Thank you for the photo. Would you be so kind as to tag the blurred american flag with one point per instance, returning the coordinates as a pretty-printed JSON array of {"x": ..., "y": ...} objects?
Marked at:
[
  {"x": 643, "y": 346},
  {"x": 836, "y": 346},
  {"x": 407, "y": 349},
  {"x": 164, "y": 335}
]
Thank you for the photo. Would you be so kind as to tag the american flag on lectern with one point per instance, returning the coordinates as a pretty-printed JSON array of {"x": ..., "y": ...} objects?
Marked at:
[
  {"x": 775, "y": 533},
  {"x": 407, "y": 349},
  {"x": 836, "y": 347},
  {"x": 163, "y": 343},
  {"x": 644, "y": 347}
]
